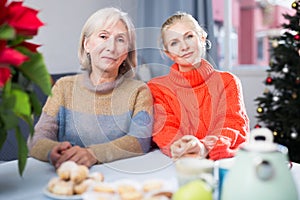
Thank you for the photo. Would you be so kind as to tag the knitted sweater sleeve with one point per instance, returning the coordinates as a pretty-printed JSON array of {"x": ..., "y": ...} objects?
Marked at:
[
  {"x": 166, "y": 127},
  {"x": 231, "y": 123}
]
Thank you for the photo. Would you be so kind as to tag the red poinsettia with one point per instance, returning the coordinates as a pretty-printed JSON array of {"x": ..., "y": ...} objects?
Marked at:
[
  {"x": 21, "y": 67},
  {"x": 23, "y": 19},
  {"x": 4, "y": 75}
]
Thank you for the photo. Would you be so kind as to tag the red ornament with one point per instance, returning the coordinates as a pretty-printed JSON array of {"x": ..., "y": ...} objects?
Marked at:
[
  {"x": 269, "y": 80},
  {"x": 257, "y": 126},
  {"x": 297, "y": 37},
  {"x": 297, "y": 80}
]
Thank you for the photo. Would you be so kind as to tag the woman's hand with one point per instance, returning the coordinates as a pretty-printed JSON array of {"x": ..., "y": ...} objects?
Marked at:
[
  {"x": 58, "y": 150},
  {"x": 82, "y": 156},
  {"x": 187, "y": 146}
]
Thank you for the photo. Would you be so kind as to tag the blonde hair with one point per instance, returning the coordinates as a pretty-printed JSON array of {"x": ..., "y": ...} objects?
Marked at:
[
  {"x": 103, "y": 18},
  {"x": 185, "y": 17}
]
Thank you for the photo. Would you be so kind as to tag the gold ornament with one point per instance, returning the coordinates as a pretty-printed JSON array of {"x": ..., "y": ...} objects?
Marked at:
[
  {"x": 274, "y": 43},
  {"x": 260, "y": 110},
  {"x": 294, "y": 95}
]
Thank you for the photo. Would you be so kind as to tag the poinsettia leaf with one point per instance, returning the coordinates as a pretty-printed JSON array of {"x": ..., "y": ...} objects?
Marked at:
[
  {"x": 35, "y": 69},
  {"x": 22, "y": 104},
  {"x": 35, "y": 103},
  {"x": 10, "y": 120},
  {"x": 7, "y": 32},
  {"x": 22, "y": 150},
  {"x": 3, "y": 135}
]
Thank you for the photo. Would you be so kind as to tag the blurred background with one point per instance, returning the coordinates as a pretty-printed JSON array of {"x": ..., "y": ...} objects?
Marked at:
[{"x": 239, "y": 31}]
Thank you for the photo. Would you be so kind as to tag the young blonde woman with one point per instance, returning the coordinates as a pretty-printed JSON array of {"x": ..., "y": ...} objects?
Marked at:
[
  {"x": 198, "y": 111},
  {"x": 102, "y": 114}
]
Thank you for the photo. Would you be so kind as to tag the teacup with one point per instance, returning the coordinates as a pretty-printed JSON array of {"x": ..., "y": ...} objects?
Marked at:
[{"x": 189, "y": 168}]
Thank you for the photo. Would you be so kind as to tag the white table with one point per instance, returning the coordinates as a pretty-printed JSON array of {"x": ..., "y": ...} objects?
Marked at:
[{"x": 37, "y": 174}]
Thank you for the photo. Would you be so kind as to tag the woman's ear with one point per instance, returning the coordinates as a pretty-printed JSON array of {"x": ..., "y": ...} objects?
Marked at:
[{"x": 85, "y": 45}]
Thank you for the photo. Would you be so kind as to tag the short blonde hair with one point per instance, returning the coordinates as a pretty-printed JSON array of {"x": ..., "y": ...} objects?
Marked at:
[
  {"x": 103, "y": 18},
  {"x": 185, "y": 17}
]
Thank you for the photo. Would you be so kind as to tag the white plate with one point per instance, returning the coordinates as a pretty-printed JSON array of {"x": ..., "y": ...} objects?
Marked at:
[{"x": 62, "y": 197}]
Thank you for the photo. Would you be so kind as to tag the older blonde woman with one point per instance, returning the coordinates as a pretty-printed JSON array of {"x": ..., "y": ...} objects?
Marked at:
[{"x": 102, "y": 114}]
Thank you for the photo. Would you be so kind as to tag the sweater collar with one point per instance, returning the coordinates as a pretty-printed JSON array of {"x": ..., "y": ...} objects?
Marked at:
[
  {"x": 101, "y": 88},
  {"x": 191, "y": 78}
]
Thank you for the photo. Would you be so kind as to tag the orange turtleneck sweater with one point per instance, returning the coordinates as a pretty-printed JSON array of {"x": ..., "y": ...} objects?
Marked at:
[{"x": 200, "y": 102}]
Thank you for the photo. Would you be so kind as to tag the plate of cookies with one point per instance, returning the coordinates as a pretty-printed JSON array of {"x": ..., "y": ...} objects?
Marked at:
[
  {"x": 75, "y": 182},
  {"x": 127, "y": 189},
  {"x": 71, "y": 182}
]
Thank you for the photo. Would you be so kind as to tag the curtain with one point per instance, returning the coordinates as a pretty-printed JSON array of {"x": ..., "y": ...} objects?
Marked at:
[{"x": 151, "y": 15}]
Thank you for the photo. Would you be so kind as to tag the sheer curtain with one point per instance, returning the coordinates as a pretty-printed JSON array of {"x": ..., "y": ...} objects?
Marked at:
[{"x": 151, "y": 15}]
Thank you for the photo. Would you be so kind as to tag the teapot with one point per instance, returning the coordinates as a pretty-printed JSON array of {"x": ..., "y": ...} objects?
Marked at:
[{"x": 260, "y": 171}]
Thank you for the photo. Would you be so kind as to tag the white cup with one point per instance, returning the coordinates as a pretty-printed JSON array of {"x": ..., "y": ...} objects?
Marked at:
[{"x": 188, "y": 169}]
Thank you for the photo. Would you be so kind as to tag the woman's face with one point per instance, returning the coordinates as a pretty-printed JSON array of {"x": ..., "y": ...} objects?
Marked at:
[
  {"x": 183, "y": 45},
  {"x": 108, "y": 48}
]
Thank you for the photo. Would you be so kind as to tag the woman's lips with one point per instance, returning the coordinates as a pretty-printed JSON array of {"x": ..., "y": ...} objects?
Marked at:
[
  {"x": 109, "y": 58},
  {"x": 187, "y": 55}
]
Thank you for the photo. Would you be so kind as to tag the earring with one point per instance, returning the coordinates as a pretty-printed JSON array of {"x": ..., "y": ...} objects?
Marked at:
[{"x": 88, "y": 55}]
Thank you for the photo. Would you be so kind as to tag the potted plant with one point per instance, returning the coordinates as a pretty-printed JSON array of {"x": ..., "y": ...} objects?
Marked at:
[{"x": 21, "y": 67}]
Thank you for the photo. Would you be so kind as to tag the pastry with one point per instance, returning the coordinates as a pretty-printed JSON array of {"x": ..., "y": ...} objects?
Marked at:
[
  {"x": 104, "y": 188},
  {"x": 133, "y": 195},
  {"x": 97, "y": 176},
  {"x": 64, "y": 170},
  {"x": 152, "y": 185},
  {"x": 79, "y": 173},
  {"x": 61, "y": 187},
  {"x": 126, "y": 188},
  {"x": 83, "y": 186}
]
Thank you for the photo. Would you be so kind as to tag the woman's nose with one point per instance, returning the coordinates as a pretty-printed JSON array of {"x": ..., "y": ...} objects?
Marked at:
[
  {"x": 184, "y": 46},
  {"x": 110, "y": 44}
]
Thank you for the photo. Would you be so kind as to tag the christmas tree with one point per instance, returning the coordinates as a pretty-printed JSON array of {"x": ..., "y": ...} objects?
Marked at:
[{"x": 279, "y": 106}]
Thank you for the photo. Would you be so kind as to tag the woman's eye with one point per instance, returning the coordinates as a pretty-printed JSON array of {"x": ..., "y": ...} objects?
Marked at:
[
  {"x": 173, "y": 43},
  {"x": 190, "y": 36},
  {"x": 121, "y": 40},
  {"x": 103, "y": 36}
]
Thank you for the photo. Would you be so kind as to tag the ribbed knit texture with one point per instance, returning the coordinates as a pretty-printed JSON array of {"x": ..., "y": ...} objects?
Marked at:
[
  {"x": 199, "y": 102},
  {"x": 113, "y": 119}
]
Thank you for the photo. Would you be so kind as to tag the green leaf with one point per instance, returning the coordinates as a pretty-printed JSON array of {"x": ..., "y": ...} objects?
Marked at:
[
  {"x": 22, "y": 105},
  {"x": 35, "y": 69},
  {"x": 7, "y": 32},
  {"x": 22, "y": 150},
  {"x": 35, "y": 103},
  {"x": 3, "y": 135}
]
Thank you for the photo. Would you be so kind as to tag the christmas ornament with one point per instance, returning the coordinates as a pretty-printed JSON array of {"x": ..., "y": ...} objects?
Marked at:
[
  {"x": 274, "y": 43},
  {"x": 295, "y": 5},
  {"x": 294, "y": 95},
  {"x": 285, "y": 69},
  {"x": 297, "y": 37},
  {"x": 257, "y": 126},
  {"x": 297, "y": 80},
  {"x": 269, "y": 80},
  {"x": 260, "y": 110},
  {"x": 275, "y": 98},
  {"x": 275, "y": 133},
  {"x": 294, "y": 135},
  {"x": 266, "y": 91}
]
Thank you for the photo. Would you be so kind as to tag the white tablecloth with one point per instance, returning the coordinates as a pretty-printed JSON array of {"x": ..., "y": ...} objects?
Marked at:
[{"x": 37, "y": 174}]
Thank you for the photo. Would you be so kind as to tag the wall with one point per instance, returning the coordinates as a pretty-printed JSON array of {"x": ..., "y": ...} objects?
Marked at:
[
  {"x": 63, "y": 22},
  {"x": 252, "y": 78}
]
